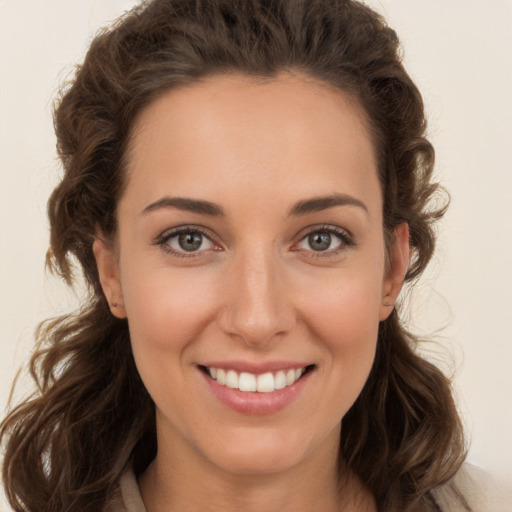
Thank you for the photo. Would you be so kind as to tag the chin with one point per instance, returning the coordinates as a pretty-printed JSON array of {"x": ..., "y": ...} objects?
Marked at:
[
  {"x": 259, "y": 451},
  {"x": 266, "y": 461}
]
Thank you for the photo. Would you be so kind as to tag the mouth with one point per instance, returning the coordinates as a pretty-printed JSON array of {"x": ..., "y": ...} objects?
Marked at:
[{"x": 267, "y": 382}]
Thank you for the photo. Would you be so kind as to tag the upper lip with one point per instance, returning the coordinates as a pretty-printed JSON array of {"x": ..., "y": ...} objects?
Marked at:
[{"x": 255, "y": 368}]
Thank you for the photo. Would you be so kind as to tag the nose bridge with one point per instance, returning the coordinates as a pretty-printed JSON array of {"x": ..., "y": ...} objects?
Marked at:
[{"x": 258, "y": 308}]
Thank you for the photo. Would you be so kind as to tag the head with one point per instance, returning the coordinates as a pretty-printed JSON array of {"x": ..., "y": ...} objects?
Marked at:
[
  {"x": 340, "y": 62},
  {"x": 249, "y": 239}
]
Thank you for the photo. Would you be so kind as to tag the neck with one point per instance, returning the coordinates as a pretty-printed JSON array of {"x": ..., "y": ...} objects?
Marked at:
[{"x": 195, "y": 484}]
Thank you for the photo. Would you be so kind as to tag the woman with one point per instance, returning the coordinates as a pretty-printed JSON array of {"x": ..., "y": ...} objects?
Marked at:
[{"x": 247, "y": 186}]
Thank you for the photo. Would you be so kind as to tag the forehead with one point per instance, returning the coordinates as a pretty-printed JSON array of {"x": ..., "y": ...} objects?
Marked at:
[{"x": 238, "y": 133}]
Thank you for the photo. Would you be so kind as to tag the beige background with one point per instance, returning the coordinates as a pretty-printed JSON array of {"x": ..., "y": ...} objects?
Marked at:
[{"x": 460, "y": 54}]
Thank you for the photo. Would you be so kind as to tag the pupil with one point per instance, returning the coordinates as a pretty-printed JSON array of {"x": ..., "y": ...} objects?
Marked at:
[
  {"x": 190, "y": 241},
  {"x": 319, "y": 241}
]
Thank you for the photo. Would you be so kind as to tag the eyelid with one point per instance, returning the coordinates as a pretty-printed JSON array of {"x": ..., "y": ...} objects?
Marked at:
[
  {"x": 347, "y": 240},
  {"x": 162, "y": 240}
]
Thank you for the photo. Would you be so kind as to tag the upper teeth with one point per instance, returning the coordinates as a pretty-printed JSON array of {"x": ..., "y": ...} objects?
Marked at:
[{"x": 263, "y": 383}]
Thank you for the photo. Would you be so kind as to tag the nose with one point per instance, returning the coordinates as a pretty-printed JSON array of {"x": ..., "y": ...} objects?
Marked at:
[{"x": 258, "y": 309}]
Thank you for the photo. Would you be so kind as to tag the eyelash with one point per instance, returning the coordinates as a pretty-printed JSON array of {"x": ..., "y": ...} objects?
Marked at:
[
  {"x": 346, "y": 241},
  {"x": 345, "y": 237},
  {"x": 163, "y": 240}
]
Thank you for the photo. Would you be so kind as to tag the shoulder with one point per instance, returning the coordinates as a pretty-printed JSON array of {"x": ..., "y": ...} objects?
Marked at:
[
  {"x": 479, "y": 489},
  {"x": 126, "y": 497}
]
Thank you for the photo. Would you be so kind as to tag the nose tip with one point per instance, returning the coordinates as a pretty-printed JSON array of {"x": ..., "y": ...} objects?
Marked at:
[{"x": 258, "y": 309}]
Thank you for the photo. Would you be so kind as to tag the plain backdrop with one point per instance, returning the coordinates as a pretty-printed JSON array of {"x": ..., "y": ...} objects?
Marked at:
[{"x": 460, "y": 54}]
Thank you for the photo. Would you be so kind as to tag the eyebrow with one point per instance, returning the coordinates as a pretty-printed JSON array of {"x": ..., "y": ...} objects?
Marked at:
[
  {"x": 184, "y": 203},
  {"x": 318, "y": 204},
  {"x": 202, "y": 207}
]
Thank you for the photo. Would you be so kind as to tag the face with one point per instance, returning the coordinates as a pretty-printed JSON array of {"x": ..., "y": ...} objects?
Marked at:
[{"x": 251, "y": 266}]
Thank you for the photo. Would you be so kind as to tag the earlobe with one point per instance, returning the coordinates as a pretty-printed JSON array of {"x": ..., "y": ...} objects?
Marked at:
[
  {"x": 399, "y": 253},
  {"x": 108, "y": 270}
]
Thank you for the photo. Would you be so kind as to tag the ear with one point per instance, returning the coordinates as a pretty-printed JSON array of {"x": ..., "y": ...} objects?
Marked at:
[
  {"x": 398, "y": 262},
  {"x": 108, "y": 270}
]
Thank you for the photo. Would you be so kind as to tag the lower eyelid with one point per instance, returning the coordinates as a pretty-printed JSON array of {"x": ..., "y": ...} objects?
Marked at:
[
  {"x": 164, "y": 241},
  {"x": 205, "y": 241},
  {"x": 345, "y": 241}
]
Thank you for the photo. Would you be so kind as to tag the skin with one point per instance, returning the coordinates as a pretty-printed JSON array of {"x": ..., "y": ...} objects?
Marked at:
[{"x": 256, "y": 290}]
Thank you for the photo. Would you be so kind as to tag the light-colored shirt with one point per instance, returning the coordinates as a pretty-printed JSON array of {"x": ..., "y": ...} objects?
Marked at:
[{"x": 481, "y": 492}]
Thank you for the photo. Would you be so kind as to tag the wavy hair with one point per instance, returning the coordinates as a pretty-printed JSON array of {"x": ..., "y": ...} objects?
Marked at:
[{"x": 66, "y": 446}]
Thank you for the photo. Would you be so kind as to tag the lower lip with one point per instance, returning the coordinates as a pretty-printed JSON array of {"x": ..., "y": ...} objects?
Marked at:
[{"x": 254, "y": 403}]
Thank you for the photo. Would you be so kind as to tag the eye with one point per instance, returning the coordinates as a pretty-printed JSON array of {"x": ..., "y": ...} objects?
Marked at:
[
  {"x": 185, "y": 241},
  {"x": 330, "y": 240},
  {"x": 319, "y": 241},
  {"x": 189, "y": 242}
]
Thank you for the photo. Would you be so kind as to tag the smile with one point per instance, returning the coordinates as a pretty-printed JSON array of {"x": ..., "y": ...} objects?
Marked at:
[
  {"x": 249, "y": 382},
  {"x": 256, "y": 389}
]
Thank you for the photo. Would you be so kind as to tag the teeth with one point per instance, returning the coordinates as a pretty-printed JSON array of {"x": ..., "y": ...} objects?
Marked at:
[
  {"x": 247, "y": 382},
  {"x": 232, "y": 379},
  {"x": 280, "y": 380},
  {"x": 263, "y": 383},
  {"x": 221, "y": 377}
]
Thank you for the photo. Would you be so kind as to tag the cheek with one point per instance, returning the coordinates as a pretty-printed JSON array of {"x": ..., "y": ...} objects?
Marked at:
[
  {"x": 167, "y": 309},
  {"x": 343, "y": 316},
  {"x": 167, "y": 312},
  {"x": 344, "y": 306},
  {"x": 349, "y": 332}
]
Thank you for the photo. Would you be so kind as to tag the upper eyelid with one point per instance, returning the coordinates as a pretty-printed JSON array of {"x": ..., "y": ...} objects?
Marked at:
[
  {"x": 187, "y": 228},
  {"x": 346, "y": 239},
  {"x": 162, "y": 240},
  {"x": 324, "y": 228},
  {"x": 303, "y": 233}
]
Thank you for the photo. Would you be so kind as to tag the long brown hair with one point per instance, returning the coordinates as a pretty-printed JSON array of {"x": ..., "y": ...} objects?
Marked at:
[{"x": 66, "y": 447}]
